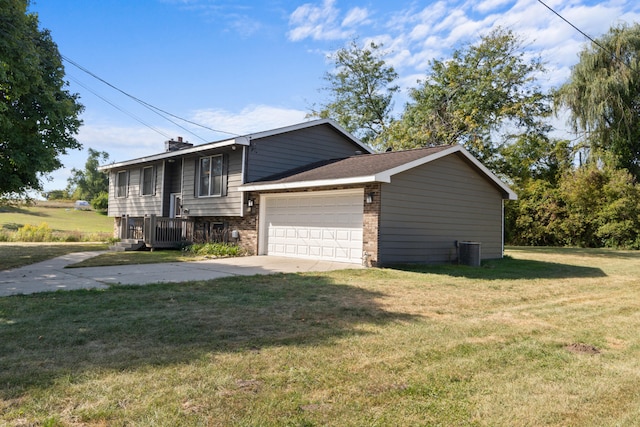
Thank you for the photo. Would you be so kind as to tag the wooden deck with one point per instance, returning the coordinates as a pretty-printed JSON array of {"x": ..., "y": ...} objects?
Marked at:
[{"x": 157, "y": 232}]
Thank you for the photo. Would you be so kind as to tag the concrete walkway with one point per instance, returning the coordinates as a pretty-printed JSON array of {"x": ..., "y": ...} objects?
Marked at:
[{"x": 52, "y": 276}]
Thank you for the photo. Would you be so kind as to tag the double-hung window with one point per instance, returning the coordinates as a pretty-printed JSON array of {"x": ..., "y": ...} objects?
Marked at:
[
  {"x": 122, "y": 182},
  {"x": 210, "y": 176},
  {"x": 148, "y": 181}
]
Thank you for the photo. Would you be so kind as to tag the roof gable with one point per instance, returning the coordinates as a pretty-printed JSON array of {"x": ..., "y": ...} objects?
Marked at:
[
  {"x": 239, "y": 140},
  {"x": 369, "y": 168}
]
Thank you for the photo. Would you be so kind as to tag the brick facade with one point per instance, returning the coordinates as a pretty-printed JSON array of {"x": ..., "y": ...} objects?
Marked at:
[
  {"x": 247, "y": 228},
  {"x": 371, "y": 225}
]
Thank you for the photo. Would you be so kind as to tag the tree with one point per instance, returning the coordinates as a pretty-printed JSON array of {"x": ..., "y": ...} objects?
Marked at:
[
  {"x": 361, "y": 89},
  {"x": 594, "y": 205},
  {"x": 57, "y": 195},
  {"x": 483, "y": 97},
  {"x": 89, "y": 183},
  {"x": 603, "y": 96},
  {"x": 38, "y": 117}
]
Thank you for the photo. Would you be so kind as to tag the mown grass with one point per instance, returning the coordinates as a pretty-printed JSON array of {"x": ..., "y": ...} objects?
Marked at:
[
  {"x": 189, "y": 254},
  {"x": 137, "y": 257},
  {"x": 543, "y": 337},
  {"x": 14, "y": 255}
]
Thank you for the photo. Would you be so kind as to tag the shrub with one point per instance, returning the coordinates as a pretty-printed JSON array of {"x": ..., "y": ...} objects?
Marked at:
[
  {"x": 32, "y": 233},
  {"x": 100, "y": 203},
  {"x": 216, "y": 249}
]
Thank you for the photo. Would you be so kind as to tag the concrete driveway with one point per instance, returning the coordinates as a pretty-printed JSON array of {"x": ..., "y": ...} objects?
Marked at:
[{"x": 52, "y": 275}]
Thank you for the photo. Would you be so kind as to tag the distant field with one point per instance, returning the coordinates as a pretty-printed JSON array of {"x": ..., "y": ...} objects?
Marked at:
[{"x": 62, "y": 218}]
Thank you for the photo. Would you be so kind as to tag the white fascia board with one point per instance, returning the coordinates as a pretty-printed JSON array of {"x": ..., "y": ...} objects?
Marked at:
[
  {"x": 511, "y": 194},
  {"x": 308, "y": 184},
  {"x": 386, "y": 175},
  {"x": 178, "y": 153}
]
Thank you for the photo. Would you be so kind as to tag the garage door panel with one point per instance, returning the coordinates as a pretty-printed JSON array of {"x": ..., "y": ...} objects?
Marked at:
[
  {"x": 317, "y": 226},
  {"x": 343, "y": 235},
  {"x": 328, "y": 235}
]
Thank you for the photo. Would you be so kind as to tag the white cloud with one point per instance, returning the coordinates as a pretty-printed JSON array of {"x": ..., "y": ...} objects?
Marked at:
[
  {"x": 253, "y": 118},
  {"x": 322, "y": 22},
  {"x": 489, "y": 5},
  {"x": 355, "y": 16}
]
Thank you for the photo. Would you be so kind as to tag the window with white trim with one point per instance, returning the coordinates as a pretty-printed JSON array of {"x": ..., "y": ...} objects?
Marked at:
[
  {"x": 148, "y": 181},
  {"x": 122, "y": 182},
  {"x": 210, "y": 176}
]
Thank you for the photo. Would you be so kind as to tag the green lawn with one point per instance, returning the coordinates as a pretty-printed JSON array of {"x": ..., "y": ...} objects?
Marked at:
[
  {"x": 543, "y": 337},
  {"x": 13, "y": 255},
  {"x": 61, "y": 218}
]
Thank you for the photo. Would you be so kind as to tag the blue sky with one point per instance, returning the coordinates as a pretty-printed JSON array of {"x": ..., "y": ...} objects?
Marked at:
[{"x": 245, "y": 66}]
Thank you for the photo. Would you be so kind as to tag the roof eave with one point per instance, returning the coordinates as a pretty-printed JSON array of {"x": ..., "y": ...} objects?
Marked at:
[
  {"x": 308, "y": 184},
  {"x": 241, "y": 140},
  {"x": 508, "y": 192}
]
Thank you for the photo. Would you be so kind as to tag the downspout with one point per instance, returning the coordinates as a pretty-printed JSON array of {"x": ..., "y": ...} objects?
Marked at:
[
  {"x": 502, "y": 253},
  {"x": 162, "y": 189},
  {"x": 242, "y": 180},
  {"x": 182, "y": 184}
]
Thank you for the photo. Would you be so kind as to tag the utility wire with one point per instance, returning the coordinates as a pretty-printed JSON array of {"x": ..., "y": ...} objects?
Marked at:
[
  {"x": 117, "y": 107},
  {"x": 597, "y": 43},
  {"x": 138, "y": 118},
  {"x": 151, "y": 107}
]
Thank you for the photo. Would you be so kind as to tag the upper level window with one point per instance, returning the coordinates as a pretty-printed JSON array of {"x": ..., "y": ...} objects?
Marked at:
[
  {"x": 210, "y": 173},
  {"x": 148, "y": 181},
  {"x": 122, "y": 182}
]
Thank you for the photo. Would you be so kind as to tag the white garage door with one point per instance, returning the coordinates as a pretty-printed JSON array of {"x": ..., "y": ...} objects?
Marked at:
[{"x": 323, "y": 225}]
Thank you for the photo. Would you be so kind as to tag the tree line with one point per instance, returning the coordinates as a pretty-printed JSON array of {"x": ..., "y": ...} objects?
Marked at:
[{"x": 582, "y": 191}]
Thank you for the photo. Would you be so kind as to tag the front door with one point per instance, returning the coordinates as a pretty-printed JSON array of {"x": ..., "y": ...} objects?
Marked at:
[{"x": 175, "y": 205}]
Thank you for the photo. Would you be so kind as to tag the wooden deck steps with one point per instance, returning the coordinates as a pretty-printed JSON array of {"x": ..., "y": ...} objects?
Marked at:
[{"x": 128, "y": 245}]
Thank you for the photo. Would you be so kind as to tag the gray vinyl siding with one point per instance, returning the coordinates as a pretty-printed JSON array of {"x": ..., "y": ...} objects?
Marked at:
[
  {"x": 283, "y": 152},
  {"x": 135, "y": 204},
  {"x": 226, "y": 205},
  {"x": 426, "y": 209}
]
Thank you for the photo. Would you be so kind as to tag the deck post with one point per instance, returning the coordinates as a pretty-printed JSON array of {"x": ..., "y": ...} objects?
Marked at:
[
  {"x": 124, "y": 227},
  {"x": 153, "y": 230}
]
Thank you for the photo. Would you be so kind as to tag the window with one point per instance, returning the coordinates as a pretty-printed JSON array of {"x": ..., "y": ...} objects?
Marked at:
[
  {"x": 122, "y": 184},
  {"x": 148, "y": 181},
  {"x": 210, "y": 173}
]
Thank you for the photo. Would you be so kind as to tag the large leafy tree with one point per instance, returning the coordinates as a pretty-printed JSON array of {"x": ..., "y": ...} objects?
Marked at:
[
  {"x": 603, "y": 96},
  {"x": 361, "y": 90},
  {"x": 89, "y": 183},
  {"x": 484, "y": 97},
  {"x": 38, "y": 116}
]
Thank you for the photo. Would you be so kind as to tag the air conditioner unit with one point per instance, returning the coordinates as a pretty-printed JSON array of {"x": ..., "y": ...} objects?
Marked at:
[{"x": 469, "y": 253}]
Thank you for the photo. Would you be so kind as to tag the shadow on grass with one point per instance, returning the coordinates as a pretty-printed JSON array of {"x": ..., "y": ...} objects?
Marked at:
[
  {"x": 508, "y": 269},
  {"x": 23, "y": 211},
  {"x": 51, "y": 335},
  {"x": 582, "y": 252}
]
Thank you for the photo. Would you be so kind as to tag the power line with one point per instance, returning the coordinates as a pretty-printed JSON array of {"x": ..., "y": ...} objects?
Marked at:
[
  {"x": 117, "y": 107},
  {"x": 597, "y": 43},
  {"x": 147, "y": 105}
]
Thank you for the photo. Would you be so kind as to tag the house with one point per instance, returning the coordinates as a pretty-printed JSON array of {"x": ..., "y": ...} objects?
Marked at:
[{"x": 312, "y": 190}]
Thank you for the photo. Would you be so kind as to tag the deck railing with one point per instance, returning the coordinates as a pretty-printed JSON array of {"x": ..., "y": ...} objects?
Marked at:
[{"x": 157, "y": 232}]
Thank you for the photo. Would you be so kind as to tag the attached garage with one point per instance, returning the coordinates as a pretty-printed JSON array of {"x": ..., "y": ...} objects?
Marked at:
[
  {"x": 323, "y": 225},
  {"x": 412, "y": 206}
]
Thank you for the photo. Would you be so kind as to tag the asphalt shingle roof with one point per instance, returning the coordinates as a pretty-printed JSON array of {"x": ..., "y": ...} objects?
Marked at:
[{"x": 351, "y": 167}]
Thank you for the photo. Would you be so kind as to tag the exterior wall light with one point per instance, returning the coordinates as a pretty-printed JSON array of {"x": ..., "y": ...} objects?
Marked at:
[
  {"x": 250, "y": 203},
  {"x": 369, "y": 198}
]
